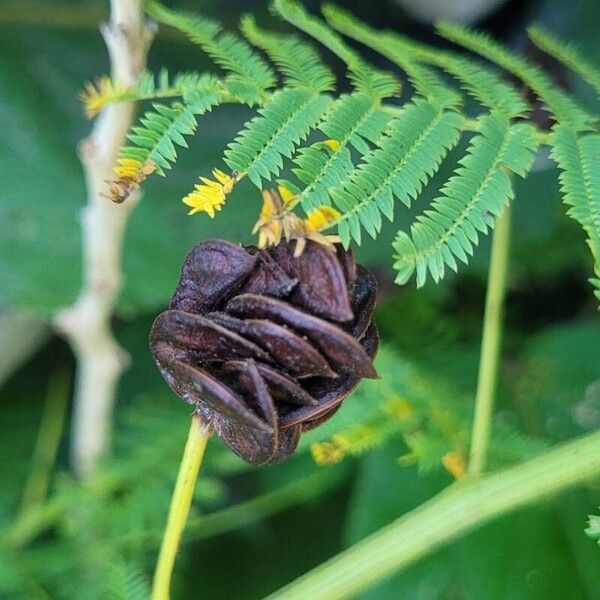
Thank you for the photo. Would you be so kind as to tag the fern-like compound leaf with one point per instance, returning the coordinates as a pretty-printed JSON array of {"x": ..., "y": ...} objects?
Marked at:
[
  {"x": 485, "y": 86},
  {"x": 298, "y": 61},
  {"x": 150, "y": 86},
  {"x": 352, "y": 121},
  {"x": 595, "y": 281},
  {"x": 563, "y": 108},
  {"x": 320, "y": 167},
  {"x": 283, "y": 122},
  {"x": 250, "y": 76},
  {"x": 469, "y": 201},
  {"x": 165, "y": 127},
  {"x": 568, "y": 55},
  {"x": 154, "y": 140},
  {"x": 405, "y": 158},
  {"x": 364, "y": 77},
  {"x": 424, "y": 80},
  {"x": 126, "y": 582},
  {"x": 489, "y": 89},
  {"x": 95, "y": 96},
  {"x": 578, "y": 157}
]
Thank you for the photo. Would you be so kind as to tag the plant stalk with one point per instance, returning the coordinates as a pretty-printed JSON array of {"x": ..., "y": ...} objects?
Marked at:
[
  {"x": 457, "y": 510},
  {"x": 48, "y": 440},
  {"x": 490, "y": 344},
  {"x": 87, "y": 323},
  {"x": 180, "y": 507}
]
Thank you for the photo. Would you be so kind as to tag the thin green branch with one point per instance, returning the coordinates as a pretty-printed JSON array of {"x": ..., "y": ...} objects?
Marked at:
[
  {"x": 297, "y": 492},
  {"x": 49, "y": 435},
  {"x": 180, "y": 507},
  {"x": 490, "y": 344},
  {"x": 446, "y": 517}
]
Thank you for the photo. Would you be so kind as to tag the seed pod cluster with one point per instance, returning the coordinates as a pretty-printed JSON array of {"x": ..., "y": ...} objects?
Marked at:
[{"x": 264, "y": 344}]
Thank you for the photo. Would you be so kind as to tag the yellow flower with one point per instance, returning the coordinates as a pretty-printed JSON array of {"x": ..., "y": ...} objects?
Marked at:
[
  {"x": 327, "y": 453},
  {"x": 96, "y": 95},
  {"x": 270, "y": 225},
  {"x": 454, "y": 463},
  {"x": 270, "y": 234},
  {"x": 333, "y": 145},
  {"x": 321, "y": 217},
  {"x": 209, "y": 196},
  {"x": 398, "y": 407},
  {"x": 286, "y": 195},
  {"x": 133, "y": 168},
  {"x": 277, "y": 221}
]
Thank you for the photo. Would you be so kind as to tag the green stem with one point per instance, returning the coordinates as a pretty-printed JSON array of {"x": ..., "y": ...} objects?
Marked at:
[
  {"x": 48, "y": 439},
  {"x": 490, "y": 344},
  {"x": 452, "y": 513},
  {"x": 180, "y": 507}
]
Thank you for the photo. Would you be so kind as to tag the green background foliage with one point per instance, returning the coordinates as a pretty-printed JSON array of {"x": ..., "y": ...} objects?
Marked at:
[{"x": 253, "y": 530}]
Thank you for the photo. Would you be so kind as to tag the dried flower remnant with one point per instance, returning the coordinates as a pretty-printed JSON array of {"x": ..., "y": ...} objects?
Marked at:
[
  {"x": 266, "y": 344},
  {"x": 278, "y": 222},
  {"x": 130, "y": 175}
]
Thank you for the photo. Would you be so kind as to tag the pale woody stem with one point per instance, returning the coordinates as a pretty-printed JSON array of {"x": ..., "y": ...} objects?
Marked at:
[{"x": 100, "y": 360}]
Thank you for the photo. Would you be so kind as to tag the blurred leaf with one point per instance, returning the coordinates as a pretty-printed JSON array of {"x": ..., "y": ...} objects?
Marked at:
[
  {"x": 125, "y": 582},
  {"x": 527, "y": 556},
  {"x": 425, "y": 404},
  {"x": 593, "y": 528},
  {"x": 559, "y": 386}
]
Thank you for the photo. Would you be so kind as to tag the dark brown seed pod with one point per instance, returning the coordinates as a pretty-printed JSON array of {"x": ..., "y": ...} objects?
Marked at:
[{"x": 266, "y": 345}]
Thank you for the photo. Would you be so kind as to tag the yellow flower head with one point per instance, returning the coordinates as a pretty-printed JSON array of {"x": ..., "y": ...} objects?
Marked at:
[
  {"x": 333, "y": 145},
  {"x": 327, "y": 453},
  {"x": 96, "y": 95},
  {"x": 286, "y": 195},
  {"x": 454, "y": 463},
  {"x": 209, "y": 196},
  {"x": 321, "y": 217},
  {"x": 398, "y": 407}
]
